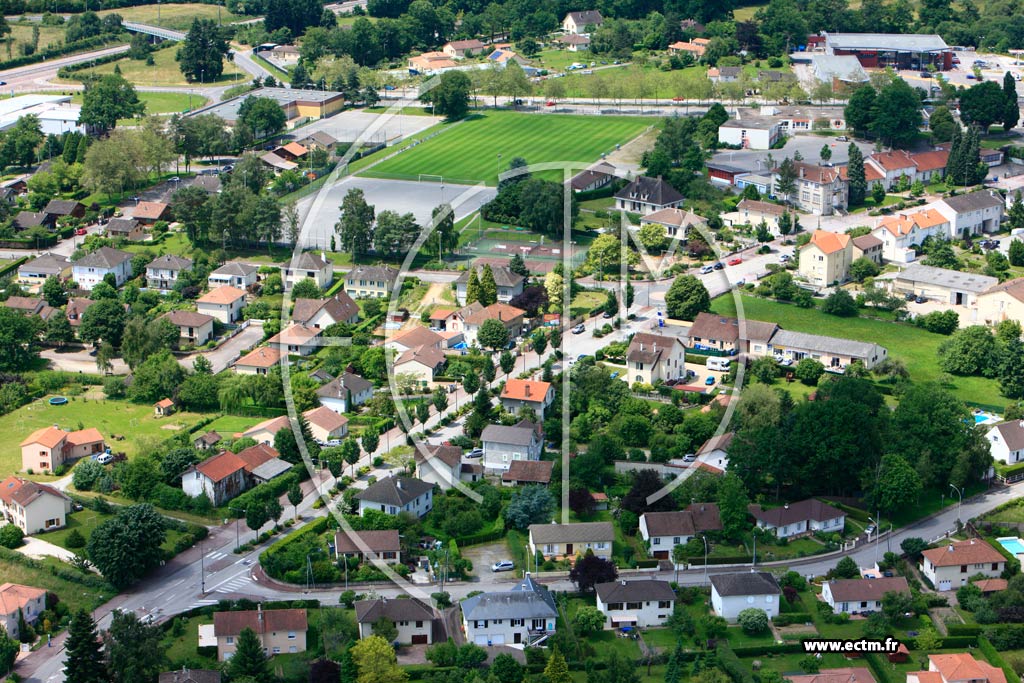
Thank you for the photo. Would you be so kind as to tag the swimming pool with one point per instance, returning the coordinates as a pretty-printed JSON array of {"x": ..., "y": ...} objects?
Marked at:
[
  {"x": 1014, "y": 545},
  {"x": 983, "y": 418}
]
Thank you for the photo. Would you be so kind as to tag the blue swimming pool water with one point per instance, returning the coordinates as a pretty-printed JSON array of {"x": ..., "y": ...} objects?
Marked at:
[
  {"x": 978, "y": 419},
  {"x": 1013, "y": 545}
]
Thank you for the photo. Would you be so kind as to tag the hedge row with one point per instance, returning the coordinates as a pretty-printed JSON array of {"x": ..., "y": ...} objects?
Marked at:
[
  {"x": 995, "y": 659},
  {"x": 730, "y": 559},
  {"x": 12, "y": 266},
  {"x": 273, "y": 488},
  {"x": 790, "y": 618},
  {"x": 762, "y": 650},
  {"x": 730, "y": 663},
  {"x": 954, "y": 642},
  {"x": 880, "y": 671},
  {"x": 857, "y": 514},
  {"x": 482, "y": 537},
  {"x": 61, "y": 49},
  {"x": 267, "y": 557},
  {"x": 965, "y": 630}
]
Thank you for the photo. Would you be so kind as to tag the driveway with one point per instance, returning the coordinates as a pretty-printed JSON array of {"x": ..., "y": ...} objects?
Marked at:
[
  {"x": 80, "y": 361},
  {"x": 227, "y": 352},
  {"x": 40, "y": 549},
  {"x": 483, "y": 556}
]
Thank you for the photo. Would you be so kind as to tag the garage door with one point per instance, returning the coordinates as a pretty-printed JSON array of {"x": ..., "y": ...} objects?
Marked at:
[
  {"x": 480, "y": 640},
  {"x": 420, "y": 639},
  {"x": 945, "y": 585},
  {"x": 498, "y": 639}
]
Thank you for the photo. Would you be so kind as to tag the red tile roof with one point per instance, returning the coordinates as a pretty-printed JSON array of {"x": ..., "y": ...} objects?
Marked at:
[
  {"x": 225, "y": 294},
  {"x": 263, "y": 357},
  {"x": 221, "y": 466},
  {"x": 14, "y": 597},
  {"x": 232, "y": 623},
  {"x": 525, "y": 390},
  {"x": 973, "y": 551}
]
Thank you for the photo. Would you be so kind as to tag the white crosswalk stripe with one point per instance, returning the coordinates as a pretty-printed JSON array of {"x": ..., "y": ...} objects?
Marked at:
[
  {"x": 215, "y": 556},
  {"x": 234, "y": 585},
  {"x": 201, "y": 603}
]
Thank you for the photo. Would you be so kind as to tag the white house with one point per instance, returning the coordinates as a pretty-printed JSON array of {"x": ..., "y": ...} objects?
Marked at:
[
  {"x": 393, "y": 495},
  {"x": 162, "y": 272},
  {"x": 733, "y": 593},
  {"x": 532, "y": 394},
  {"x": 442, "y": 466},
  {"x": 296, "y": 339},
  {"x": 309, "y": 265},
  {"x": 652, "y": 357},
  {"x": 1006, "y": 441},
  {"x": 32, "y": 507},
  {"x": 555, "y": 541},
  {"x": 900, "y": 234},
  {"x": 345, "y": 392},
  {"x": 854, "y": 596},
  {"x": 974, "y": 213},
  {"x": 582, "y": 22},
  {"x": 259, "y": 361},
  {"x": 413, "y": 338},
  {"x": 503, "y": 445},
  {"x": 646, "y": 195},
  {"x": 325, "y": 425},
  {"x": 751, "y": 132},
  {"x": 510, "y": 285},
  {"x": 224, "y": 303},
  {"x": 677, "y": 223},
  {"x": 663, "y": 531},
  {"x": 804, "y": 517},
  {"x": 240, "y": 275},
  {"x": 92, "y": 268},
  {"x": 642, "y": 604},
  {"x": 524, "y": 615},
  {"x": 413, "y": 619},
  {"x": 193, "y": 328},
  {"x": 421, "y": 364},
  {"x": 18, "y": 601},
  {"x": 948, "y": 567}
]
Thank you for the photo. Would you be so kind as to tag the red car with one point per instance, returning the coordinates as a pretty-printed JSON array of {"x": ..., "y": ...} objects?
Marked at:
[
  {"x": 80, "y": 231},
  {"x": 736, "y": 261},
  {"x": 549, "y": 103}
]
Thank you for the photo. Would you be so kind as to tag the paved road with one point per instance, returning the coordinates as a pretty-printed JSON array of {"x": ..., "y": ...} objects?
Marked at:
[
  {"x": 243, "y": 59},
  {"x": 37, "y": 76}
]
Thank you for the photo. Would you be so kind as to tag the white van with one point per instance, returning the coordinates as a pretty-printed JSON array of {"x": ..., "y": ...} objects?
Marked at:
[
  {"x": 704, "y": 270},
  {"x": 720, "y": 364}
]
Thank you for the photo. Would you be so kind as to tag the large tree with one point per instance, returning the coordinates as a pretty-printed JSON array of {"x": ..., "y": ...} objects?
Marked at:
[
  {"x": 983, "y": 104},
  {"x": 106, "y": 99},
  {"x": 855, "y": 174},
  {"x": 262, "y": 116},
  {"x": 125, "y": 547},
  {"x": 590, "y": 570},
  {"x": 859, "y": 110},
  {"x": 135, "y": 651},
  {"x": 896, "y": 115},
  {"x": 492, "y": 334},
  {"x": 21, "y": 141},
  {"x": 686, "y": 298},
  {"x": 376, "y": 662},
  {"x": 897, "y": 486},
  {"x": 395, "y": 233},
  {"x": 450, "y": 97},
  {"x": 201, "y": 56},
  {"x": 18, "y": 337},
  {"x": 1011, "y": 107},
  {"x": 249, "y": 660},
  {"x": 83, "y": 662},
  {"x": 355, "y": 227}
]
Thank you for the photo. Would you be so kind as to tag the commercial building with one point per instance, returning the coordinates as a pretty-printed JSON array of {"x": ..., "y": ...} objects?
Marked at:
[
  {"x": 946, "y": 286},
  {"x": 314, "y": 104},
  {"x": 55, "y": 112},
  {"x": 912, "y": 51},
  {"x": 751, "y": 132}
]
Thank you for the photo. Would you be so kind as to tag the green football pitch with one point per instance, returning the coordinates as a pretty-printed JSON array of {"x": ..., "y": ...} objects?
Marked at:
[{"x": 478, "y": 149}]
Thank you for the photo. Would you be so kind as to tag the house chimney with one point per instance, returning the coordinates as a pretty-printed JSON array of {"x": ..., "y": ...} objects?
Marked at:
[
  {"x": 259, "y": 614},
  {"x": 398, "y": 483},
  {"x": 499, "y": 314},
  {"x": 950, "y": 547},
  {"x": 527, "y": 385},
  {"x": 802, "y": 172}
]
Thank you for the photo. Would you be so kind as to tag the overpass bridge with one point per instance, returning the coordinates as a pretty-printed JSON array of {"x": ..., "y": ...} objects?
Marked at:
[{"x": 162, "y": 33}]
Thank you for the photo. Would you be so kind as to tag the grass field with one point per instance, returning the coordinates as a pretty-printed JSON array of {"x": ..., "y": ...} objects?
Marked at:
[
  {"x": 477, "y": 149},
  {"x": 176, "y": 16},
  {"x": 917, "y": 348},
  {"x": 21, "y": 34},
  {"x": 162, "y": 102},
  {"x": 75, "y": 595},
  {"x": 110, "y": 417},
  {"x": 227, "y": 425},
  {"x": 164, "y": 71},
  {"x": 86, "y": 521}
]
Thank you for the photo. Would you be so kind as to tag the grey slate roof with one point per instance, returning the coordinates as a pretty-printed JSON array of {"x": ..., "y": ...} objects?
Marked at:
[
  {"x": 634, "y": 591},
  {"x": 395, "y": 609},
  {"x": 817, "y": 342},
  {"x": 580, "y": 532},
  {"x": 104, "y": 257},
  {"x": 974, "y": 201},
  {"x": 857, "y": 590},
  {"x": 395, "y": 491},
  {"x": 745, "y": 583},
  {"x": 652, "y": 190},
  {"x": 943, "y": 277},
  {"x": 1012, "y": 433},
  {"x": 50, "y": 264},
  {"x": 307, "y": 260},
  {"x": 271, "y": 469},
  {"x": 170, "y": 262},
  {"x": 61, "y": 207},
  {"x": 116, "y": 226},
  {"x": 896, "y": 42},
  {"x": 235, "y": 268},
  {"x": 373, "y": 274},
  {"x": 808, "y": 509},
  {"x": 344, "y": 384},
  {"x": 503, "y": 277},
  {"x": 527, "y": 600},
  {"x": 516, "y": 434}
]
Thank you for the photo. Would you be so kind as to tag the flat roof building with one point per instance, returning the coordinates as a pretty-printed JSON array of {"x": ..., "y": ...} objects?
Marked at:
[
  {"x": 314, "y": 104},
  {"x": 897, "y": 50}
]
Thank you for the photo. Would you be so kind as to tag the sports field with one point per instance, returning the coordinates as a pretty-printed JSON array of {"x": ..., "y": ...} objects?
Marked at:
[{"x": 479, "y": 148}]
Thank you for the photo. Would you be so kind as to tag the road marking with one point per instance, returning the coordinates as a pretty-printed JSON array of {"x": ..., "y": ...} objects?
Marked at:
[{"x": 215, "y": 555}]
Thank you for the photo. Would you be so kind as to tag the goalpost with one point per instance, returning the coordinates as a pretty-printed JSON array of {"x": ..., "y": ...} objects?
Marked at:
[{"x": 427, "y": 177}]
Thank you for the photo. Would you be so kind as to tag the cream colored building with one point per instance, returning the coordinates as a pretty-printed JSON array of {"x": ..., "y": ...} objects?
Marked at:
[
  {"x": 32, "y": 507},
  {"x": 224, "y": 303},
  {"x": 18, "y": 600},
  {"x": 826, "y": 259},
  {"x": 949, "y": 567},
  {"x": 653, "y": 357},
  {"x": 280, "y": 631},
  {"x": 48, "y": 448},
  {"x": 1005, "y": 301},
  {"x": 555, "y": 541}
]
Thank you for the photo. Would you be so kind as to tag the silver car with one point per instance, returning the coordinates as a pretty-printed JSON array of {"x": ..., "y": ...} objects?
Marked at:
[{"x": 503, "y": 566}]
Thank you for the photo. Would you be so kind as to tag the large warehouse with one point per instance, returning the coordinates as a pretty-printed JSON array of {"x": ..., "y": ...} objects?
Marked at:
[
  {"x": 313, "y": 104},
  {"x": 899, "y": 51}
]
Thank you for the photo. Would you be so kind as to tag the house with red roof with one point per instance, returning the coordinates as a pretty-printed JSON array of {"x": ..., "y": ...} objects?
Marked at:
[
  {"x": 826, "y": 259},
  {"x": 17, "y": 602},
  {"x": 960, "y": 667},
  {"x": 31, "y": 506},
  {"x": 226, "y": 475},
  {"x": 527, "y": 393},
  {"x": 279, "y": 631},
  {"x": 48, "y": 448}
]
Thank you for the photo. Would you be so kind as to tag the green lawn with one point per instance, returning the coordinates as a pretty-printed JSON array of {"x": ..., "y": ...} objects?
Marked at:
[
  {"x": 227, "y": 425},
  {"x": 176, "y": 16},
  {"x": 478, "y": 149},
  {"x": 75, "y": 595},
  {"x": 21, "y": 34},
  {"x": 183, "y": 648},
  {"x": 790, "y": 664},
  {"x": 135, "y": 422},
  {"x": 85, "y": 521},
  {"x": 917, "y": 348},
  {"x": 165, "y": 70}
]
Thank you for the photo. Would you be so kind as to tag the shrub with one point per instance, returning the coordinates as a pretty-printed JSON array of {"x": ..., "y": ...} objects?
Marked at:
[
  {"x": 11, "y": 536},
  {"x": 75, "y": 539},
  {"x": 753, "y": 621}
]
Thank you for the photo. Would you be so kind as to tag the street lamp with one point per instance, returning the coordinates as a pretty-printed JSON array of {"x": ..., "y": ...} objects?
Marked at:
[
  {"x": 238, "y": 541},
  {"x": 878, "y": 532},
  {"x": 202, "y": 570},
  {"x": 960, "y": 500},
  {"x": 705, "y": 539}
]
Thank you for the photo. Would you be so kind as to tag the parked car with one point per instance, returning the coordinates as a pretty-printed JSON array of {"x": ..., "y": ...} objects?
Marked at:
[
  {"x": 925, "y": 74},
  {"x": 607, "y": 314},
  {"x": 690, "y": 457},
  {"x": 475, "y": 453},
  {"x": 503, "y": 566},
  {"x": 911, "y": 296},
  {"x": 704, "y": 270},
  {"x": 869, "y": 529},
  {"x": 81, "y": 231},
  {"x": 735, "y": 261},
  {"x": 718, "y": 266},
  {"x": 104, "y": 458},
  {"x": 920, "y": 300},
  {"x": 710, "y": 380},
  {"x": 784, "y": 258},
  {"x": 549, "y": 103},
  {"x": 842, "y": 138},
  {"x": 578, "y": 329}
]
